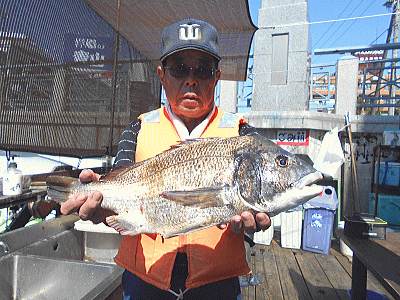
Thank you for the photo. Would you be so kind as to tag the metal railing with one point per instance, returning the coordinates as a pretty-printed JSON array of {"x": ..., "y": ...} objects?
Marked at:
[
  {"x": 322, "y": 97},
  {"x": 381, "y": 86}
]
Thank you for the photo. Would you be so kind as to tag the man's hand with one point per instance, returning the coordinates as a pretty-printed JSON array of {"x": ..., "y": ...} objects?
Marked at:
[
  {"x": 251, "y": 224},
  {"x": 88, "y": 206}
]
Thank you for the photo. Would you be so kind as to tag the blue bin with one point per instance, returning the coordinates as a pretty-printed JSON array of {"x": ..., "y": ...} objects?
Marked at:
[{"x": 319, "y": 213}]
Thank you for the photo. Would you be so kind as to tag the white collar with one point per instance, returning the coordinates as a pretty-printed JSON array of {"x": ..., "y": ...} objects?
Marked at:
[{"x": 181, "y": 128}]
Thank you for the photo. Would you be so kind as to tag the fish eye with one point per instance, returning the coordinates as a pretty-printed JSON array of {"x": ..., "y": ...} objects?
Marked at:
[{"x": 282, "y": 160}]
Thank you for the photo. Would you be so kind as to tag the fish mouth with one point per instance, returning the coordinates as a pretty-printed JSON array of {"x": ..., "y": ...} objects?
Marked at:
[
  {"x": 308, "y": 180},
  {"x": 300, "y": 192}
]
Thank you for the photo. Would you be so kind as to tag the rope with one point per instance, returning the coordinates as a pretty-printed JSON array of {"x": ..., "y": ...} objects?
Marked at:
[{"x": 180, "y": 295}]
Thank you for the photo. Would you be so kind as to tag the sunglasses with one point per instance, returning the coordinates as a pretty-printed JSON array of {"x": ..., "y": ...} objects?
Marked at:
[{"x": 183, "y": 71}]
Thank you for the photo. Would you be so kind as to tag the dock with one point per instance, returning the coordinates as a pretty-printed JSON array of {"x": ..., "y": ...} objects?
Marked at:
[
  {"x": 284, "y": 273},
  {"x": 297, "y": 274}
]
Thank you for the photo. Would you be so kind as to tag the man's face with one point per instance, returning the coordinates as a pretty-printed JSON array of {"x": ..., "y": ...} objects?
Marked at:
[{"x": 190, "y": 97}]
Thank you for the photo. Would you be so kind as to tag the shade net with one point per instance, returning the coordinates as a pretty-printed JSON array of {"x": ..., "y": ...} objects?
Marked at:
[
  {"x": 143, "y": 21},
  {"x": 69, "y": 84},
  {"x": 58, "y": 91}
]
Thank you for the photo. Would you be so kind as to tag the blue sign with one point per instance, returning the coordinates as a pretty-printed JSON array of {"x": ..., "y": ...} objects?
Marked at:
[{"x": 89, "y": 49}]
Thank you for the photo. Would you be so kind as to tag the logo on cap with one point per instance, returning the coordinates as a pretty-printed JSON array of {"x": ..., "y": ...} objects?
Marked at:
[{"x": 189, "y": 32}]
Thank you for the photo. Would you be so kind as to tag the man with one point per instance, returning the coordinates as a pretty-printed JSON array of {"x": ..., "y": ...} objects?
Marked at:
[{"x": 203, "y": 264}]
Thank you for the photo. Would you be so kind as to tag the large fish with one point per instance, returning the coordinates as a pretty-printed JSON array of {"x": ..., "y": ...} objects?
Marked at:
[{"x": 198, "y": 184}]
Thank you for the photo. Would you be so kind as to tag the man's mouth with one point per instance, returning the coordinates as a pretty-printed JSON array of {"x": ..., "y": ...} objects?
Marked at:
[
  {"x": 190, "y": 100},
  {"x": 190, "y": 103}
]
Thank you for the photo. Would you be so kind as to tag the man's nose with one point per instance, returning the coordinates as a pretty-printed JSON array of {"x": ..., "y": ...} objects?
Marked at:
[{"x": 191, "y": 79}]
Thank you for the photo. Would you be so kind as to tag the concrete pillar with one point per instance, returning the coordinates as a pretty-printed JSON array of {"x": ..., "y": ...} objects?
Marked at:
[
  {"x": 281, "y": 57},
  {"x": 228, "y": 95},
  {"x": 346, "y": 85}
]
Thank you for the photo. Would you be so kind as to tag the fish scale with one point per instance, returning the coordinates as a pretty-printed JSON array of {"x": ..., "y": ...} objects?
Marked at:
[{"x": 197, "y": 184}]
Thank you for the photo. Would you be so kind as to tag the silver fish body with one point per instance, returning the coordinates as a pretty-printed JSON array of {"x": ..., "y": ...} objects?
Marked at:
[{"x": 198, "y": 184}]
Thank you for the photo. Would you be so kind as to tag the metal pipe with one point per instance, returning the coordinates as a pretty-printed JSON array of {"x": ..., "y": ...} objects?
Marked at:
[{"x": 356, "y": 48}]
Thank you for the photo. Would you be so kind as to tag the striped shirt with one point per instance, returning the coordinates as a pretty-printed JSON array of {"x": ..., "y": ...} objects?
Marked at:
[{"x": 127, "y": 144}]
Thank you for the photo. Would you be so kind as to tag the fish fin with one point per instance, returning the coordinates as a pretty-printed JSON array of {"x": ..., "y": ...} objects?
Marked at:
[
  {"x": 60, "y": 187},
  {"x": 115, "y": 223},
  {"x": 202, "y": 198},
  {"x": 132, "y": 223},
  {"x": 190, "y": 141},
  {"x": 127, "y": 167}
]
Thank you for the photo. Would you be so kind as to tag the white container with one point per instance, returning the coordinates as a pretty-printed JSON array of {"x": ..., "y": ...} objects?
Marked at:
[
  {"x": 291, "y": 228},
  {"x": 12, "y": 180},
  {"x": 101, "y": 242},
  {"x": 101, "y": 247},
  {"x": 264, "y": 237}
]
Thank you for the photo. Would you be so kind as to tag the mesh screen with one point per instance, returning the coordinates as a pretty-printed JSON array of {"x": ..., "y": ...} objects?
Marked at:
[
  {"x": 69, "y": 83},
  {"x": 142, "y": 23},
  {"x": 58, "y": 91}
]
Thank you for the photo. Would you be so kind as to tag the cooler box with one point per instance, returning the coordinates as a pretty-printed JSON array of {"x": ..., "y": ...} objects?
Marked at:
[
  {"x": 388, "y": 208},
  {"x": 291, "y": 225},
  {"x": 389, "y": 173},
  {"x": 318, "y": 221}
]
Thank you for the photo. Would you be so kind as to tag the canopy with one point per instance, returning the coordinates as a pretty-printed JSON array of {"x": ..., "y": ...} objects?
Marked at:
[{"x": 74, "y": 73}]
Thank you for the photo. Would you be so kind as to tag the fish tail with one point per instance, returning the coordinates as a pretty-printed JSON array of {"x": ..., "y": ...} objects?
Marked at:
[{"x": 60, "y": 188}]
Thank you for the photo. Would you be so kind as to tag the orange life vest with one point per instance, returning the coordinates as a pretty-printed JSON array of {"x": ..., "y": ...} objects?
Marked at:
[{"x": 213, "y": 254}]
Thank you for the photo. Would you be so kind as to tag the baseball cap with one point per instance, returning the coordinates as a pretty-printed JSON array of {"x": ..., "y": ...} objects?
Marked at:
[{"x": 189, "y": 34}]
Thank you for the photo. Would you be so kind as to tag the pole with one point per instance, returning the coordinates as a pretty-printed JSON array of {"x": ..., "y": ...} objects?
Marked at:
[
  {"x": 356, "y": 188},
  {"x": 375, "y": 110},
  {"x": 114, "y": 79},
  {"x": 393, "y": 80}
]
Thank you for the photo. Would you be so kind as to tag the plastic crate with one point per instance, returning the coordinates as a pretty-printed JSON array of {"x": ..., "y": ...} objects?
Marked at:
[
  {"x": 265, "y": 237},
  {"x": 291, "y": 225}
]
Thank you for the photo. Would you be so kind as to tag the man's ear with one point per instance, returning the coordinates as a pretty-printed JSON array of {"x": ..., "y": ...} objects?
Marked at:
[
  {"x": 217, "y": 76},
  {"x": 161, "y": 74}
]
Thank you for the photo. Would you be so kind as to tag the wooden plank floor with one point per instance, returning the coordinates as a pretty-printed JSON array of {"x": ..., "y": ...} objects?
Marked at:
[{"x": 298, "y": 274}]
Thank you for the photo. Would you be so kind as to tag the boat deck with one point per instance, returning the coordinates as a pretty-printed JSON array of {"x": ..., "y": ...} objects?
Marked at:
[{"x": 298, "y": 274}]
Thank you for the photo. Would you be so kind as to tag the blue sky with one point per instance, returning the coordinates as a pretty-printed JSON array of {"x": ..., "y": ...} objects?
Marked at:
[{"x": 360, "y": 32}]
